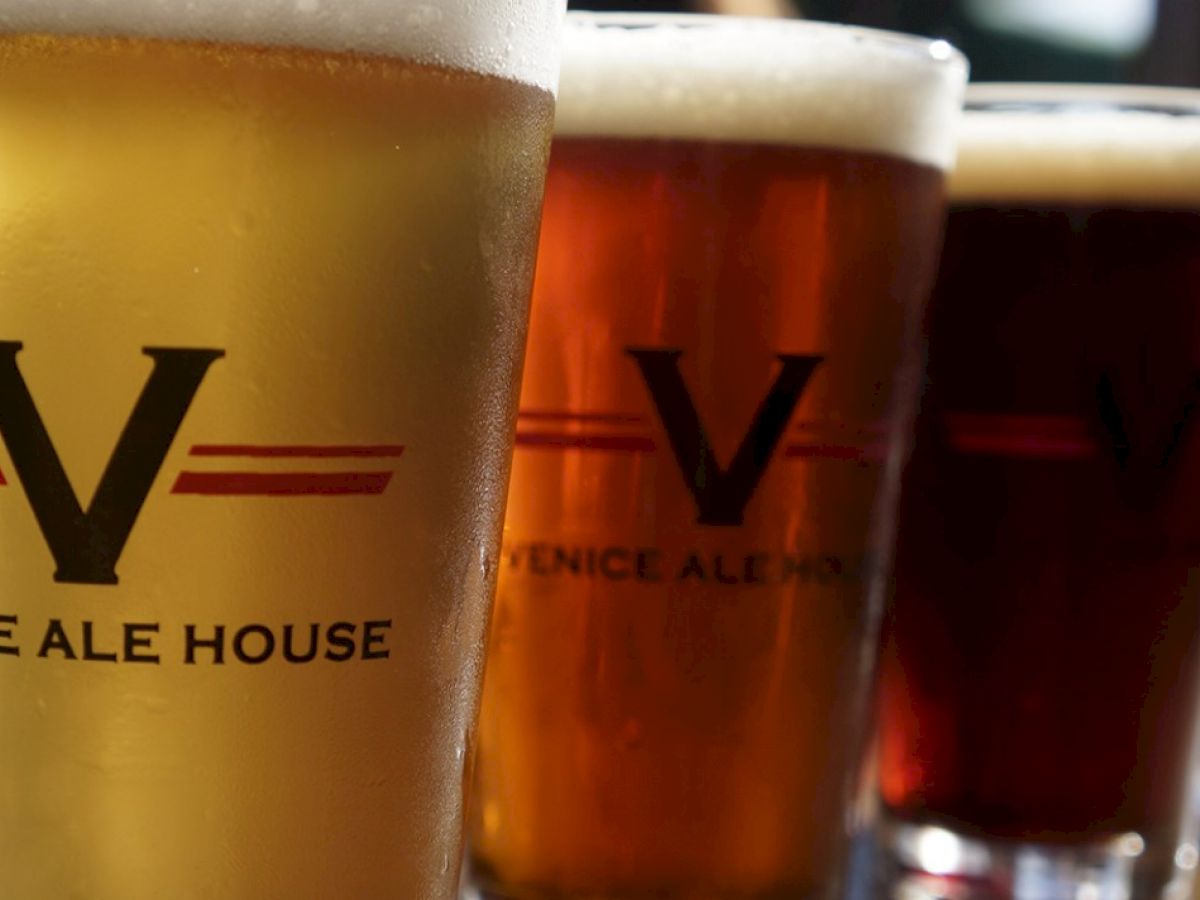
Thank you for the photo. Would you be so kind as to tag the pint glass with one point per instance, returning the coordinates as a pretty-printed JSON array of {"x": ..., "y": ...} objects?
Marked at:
[
  {"x": 1039, "y": 672},
  {"x": 263, "y": 287},
  {"x": 741, "y": 226}
]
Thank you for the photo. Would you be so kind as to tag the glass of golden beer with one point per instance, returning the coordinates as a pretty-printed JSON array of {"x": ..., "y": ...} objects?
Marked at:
[
  {"x": 264, "y": 278},
  {"x": 1039, "y": 673},
  {"x": 740, "y": 230}
]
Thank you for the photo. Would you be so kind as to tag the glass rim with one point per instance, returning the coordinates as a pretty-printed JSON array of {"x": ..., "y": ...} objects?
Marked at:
[
  {"x": 1086, "y": 144},
  {"x": 937, "y": 52},
  {"x": 1033, "y": 97},
  {"x": 514, "y": 40}
]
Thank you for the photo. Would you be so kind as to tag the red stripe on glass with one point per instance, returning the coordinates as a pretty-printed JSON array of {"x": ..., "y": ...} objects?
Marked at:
[
  {"x": 1005, "y": 423},
  {"x": 548, "y": 415},
  {"x": 300, "y": 451},
  {"x": 831, "y": 451},
  {"x": 1030, "y": 436},
  {"x": 281, "y": 484},
  {"x": 841, "y": 428},
  {"x": 614, "y": 442}
]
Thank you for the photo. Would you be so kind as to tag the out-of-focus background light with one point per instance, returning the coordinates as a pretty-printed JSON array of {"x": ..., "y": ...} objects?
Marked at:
[{"x": 1117, "y": 27}]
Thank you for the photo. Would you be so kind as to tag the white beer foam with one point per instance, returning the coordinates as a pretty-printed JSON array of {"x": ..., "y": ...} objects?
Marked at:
[
  {"x": 759, "y": 81},
  {"x": 1094, "y": 145},
  {"x": 514, "y": 39}
]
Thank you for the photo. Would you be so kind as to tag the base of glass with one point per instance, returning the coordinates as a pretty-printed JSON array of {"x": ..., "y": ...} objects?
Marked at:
[
  {"x": 931, "y": 862},
  {"x": 478, "y": 892},
  {"x": 481, "y": 889}
]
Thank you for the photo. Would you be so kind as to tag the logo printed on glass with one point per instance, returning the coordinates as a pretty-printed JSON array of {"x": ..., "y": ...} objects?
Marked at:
[{"x": 87, "y": 545}]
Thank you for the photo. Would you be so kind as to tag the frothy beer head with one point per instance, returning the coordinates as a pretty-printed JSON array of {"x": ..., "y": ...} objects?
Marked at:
[
  {"x": 505, "y": 38},
  {"x": 759, "y": 81},
  {"x": 1059, "y": 144}
]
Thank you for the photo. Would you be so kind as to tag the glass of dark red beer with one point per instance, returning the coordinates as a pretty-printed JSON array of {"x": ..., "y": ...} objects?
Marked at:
[{"x": 1039, "y": 666}]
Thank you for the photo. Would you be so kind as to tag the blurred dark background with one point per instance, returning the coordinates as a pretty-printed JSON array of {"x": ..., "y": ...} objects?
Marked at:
[{"x": 1137, "y": 41}]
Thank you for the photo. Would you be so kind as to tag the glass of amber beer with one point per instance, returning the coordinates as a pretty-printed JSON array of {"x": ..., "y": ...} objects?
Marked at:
[
  {"x": 264, "y": 280},
  {"x": 740, "y": 231},
  {"x": 1039, "y": 669}
]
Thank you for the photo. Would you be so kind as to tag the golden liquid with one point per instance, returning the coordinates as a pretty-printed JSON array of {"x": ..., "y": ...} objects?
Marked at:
[
  {"x": 655, "y": 731},
  {"x": 357, "y": 235}
]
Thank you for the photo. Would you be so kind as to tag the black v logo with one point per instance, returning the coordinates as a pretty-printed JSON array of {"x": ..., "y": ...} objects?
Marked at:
[
  {"x": 1147, "y": 440},
  {"x": 721, "y": 495},
  {"x": 87, "y": 545}
]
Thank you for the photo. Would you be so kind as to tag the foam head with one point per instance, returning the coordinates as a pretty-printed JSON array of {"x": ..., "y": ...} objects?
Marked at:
[
  {"x": 1083, "y": 145},
  {"x": 515, "y": 39},
  {"x": 759, "y": 81}
]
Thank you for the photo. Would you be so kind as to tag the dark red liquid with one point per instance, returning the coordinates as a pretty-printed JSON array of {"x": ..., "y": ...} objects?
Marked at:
[{"x": 1039, "y": 665}]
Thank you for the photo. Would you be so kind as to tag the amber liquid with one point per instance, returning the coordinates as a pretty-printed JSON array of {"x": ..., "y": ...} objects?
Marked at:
[
  {"x": 1040, "y": 662},
  {"x": 355, "y": 235},
  {"x": 672, "y": 706}
]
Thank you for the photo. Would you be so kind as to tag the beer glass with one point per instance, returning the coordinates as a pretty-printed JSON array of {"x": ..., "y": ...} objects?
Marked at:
[
  {"x": 264, "y": 278},
  {"x": 1039, "y": 667},
  {"x": 740, "y": 231}
]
